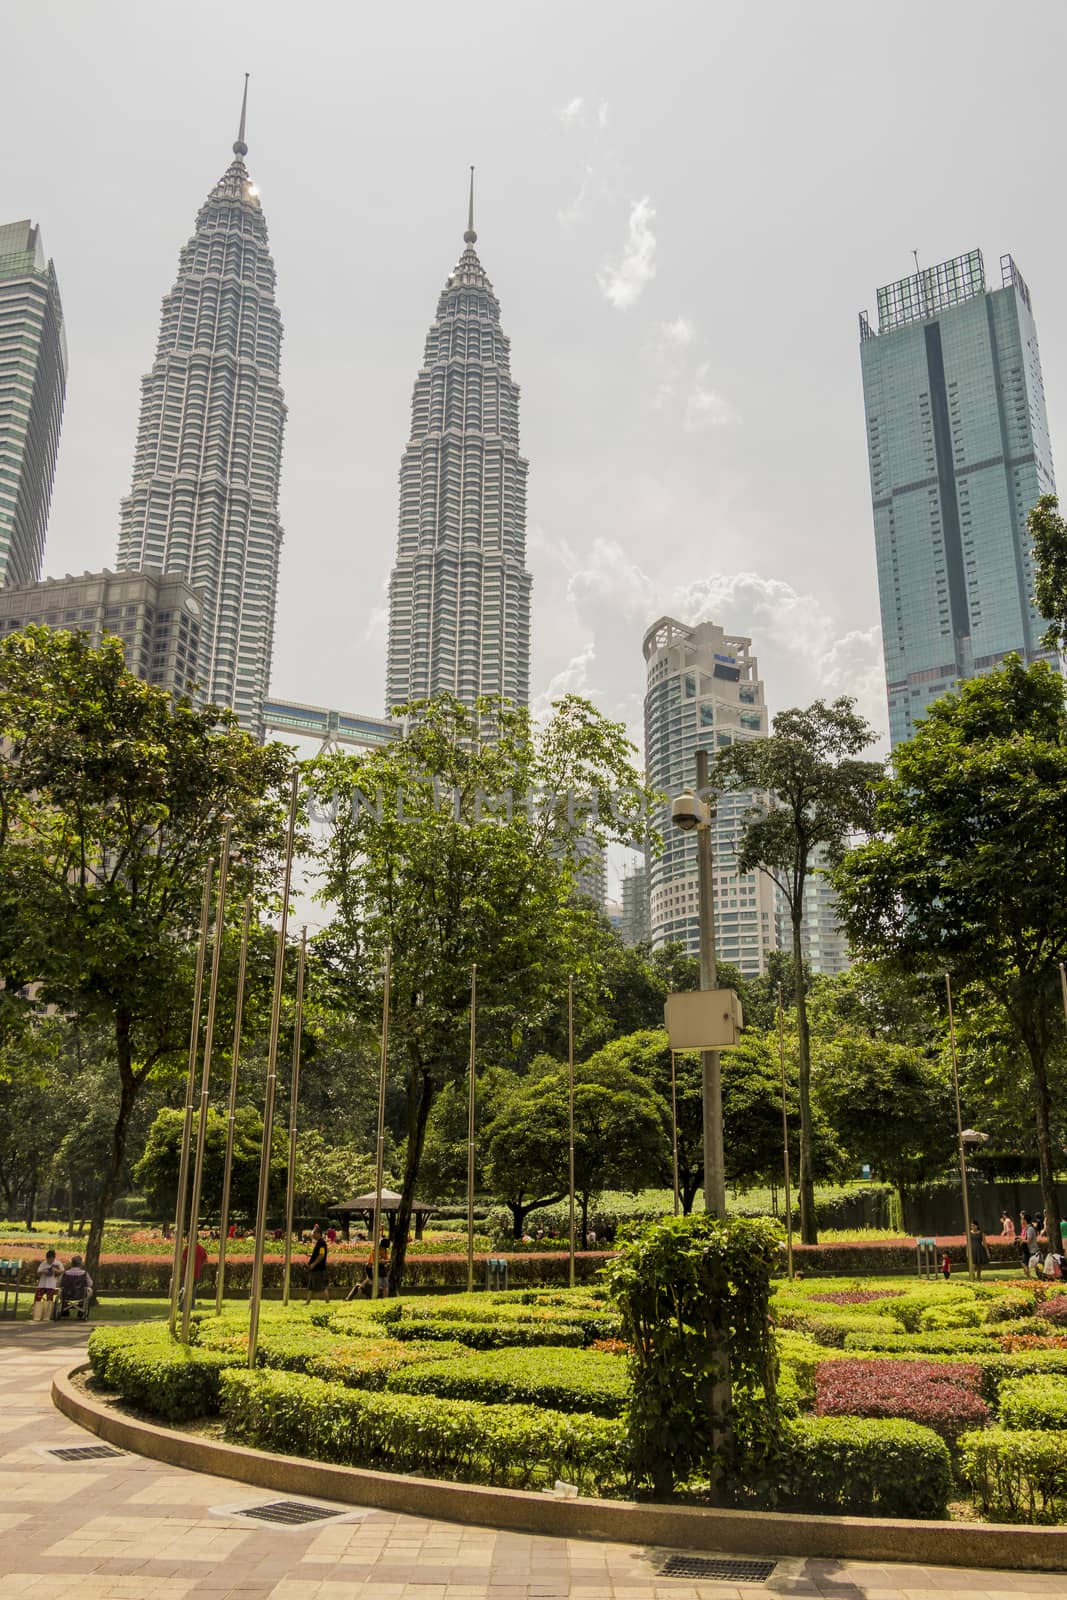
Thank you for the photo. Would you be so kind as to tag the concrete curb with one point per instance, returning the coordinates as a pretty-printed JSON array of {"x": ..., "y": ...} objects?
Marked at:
[{"x": 770, "y": 1533}]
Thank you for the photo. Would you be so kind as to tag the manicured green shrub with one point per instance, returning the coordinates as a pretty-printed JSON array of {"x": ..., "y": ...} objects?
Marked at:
[
  {"x": 867, "y": 1466},
  {"x": 519, "y": 1446},
  {"x": 1033, "y": 1402},
  {"x": 563, "y": 1380},
  {"x": 155, "y": 1373},
  {"x": 1017, "y": 1475},
  {"x": 799, "y": 1353},
  {"x": 487, "y": 1335},
  {"x": 833, "y": 1328},
  {"x": 957, "y": 1314},
  {"x": 997, "y": 1369},
  {"x": 959, "y": 1341},
  {"x": 909, "y": 1309},
  {"x": 1009, "y": 1305}
]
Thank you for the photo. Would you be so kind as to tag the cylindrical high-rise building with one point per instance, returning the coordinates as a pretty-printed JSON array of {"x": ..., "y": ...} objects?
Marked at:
[
  {"x": 459, "y": 596},
  {"x": 204, "y": 497},
  {"x": 33, "y": 383}
]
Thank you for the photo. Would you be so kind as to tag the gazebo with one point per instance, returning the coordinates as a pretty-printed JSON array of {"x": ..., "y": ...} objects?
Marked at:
[{"x": 388, "y": 1206}]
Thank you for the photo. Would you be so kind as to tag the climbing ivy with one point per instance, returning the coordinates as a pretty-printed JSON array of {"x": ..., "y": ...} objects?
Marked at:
[{"x": 693, "y": 1293}]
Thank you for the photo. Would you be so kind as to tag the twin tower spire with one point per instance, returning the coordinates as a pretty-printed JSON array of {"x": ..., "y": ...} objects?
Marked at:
[{"x": 203, "y": 500}]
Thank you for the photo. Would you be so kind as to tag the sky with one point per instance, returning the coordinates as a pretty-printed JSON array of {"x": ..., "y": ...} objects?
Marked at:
[{"x": 682, "y": 209}]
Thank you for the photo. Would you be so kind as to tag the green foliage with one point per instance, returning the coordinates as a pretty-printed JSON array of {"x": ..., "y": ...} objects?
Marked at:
[
  {"x": 693, "y": 1294},
  {"x": 818, "y": 796},
  {"x": 562, "y": 1380},
  {"x": 156, "y": 1174},
  {"x": 438, "y": 850},
  {"x": 517, "y": 1446},
  {"x": 834, "y": 1329},
  {"x": 153, "y": 1372},
  {"x": 1034, "y": 1402},
  {"x": 1049, "y": 533},
  {"x": 1017, "y": 1475},
  {"x": 966, "y": 870},
  {"x": 954, "y": 1342},
  {"x": 867, "y": 1466},
  {"x": 489, "y": 1335}
]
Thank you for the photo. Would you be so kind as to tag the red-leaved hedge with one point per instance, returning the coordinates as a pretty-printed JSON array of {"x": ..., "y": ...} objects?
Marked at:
[
  {"x": 856, "y": 1297},
  {"x": 939, "y": 1395}
]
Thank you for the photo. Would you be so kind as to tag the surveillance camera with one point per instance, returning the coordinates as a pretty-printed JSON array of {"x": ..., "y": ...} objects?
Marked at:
[{"x": 687, "y": 812}]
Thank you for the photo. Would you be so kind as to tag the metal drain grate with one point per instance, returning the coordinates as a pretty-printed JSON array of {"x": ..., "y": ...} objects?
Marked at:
[
  {"x": 704, "y": 1567},
  {"x": 290, "y": 1513},
  {"x": 84, "y": 1452}
]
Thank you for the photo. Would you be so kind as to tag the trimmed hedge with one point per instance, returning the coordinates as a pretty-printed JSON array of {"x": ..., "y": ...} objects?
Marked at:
[
  {"x": 867, "y": 1466},
  {"x": 934, "y": 1394},
  {"x": 1033, "y": 1402},
  {"x": 518, "y": 1446},
  {"x": 962, "y": 1341},
  {"x": 1017, "y": 1475},
  {"x": 833, "y": 1330},
  {"x": 155, "y": 1373},
  {"x": 488, "y": 1335},
  {"x": 562, "y": 1380}
]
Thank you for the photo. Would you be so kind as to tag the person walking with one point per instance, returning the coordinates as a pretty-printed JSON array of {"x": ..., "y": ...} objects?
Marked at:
[
  {"x": 1007, "y": 1226},
  {"x": 979, "y": 1253},
  {"x": 316, "y": 1268},
  {"x": 199, "y": 1263}
]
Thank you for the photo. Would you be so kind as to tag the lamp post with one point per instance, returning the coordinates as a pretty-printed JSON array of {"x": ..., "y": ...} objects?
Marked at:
[
  {"x": 965, "y": 1136},
  {"x": 674, "y": 1127},
  {"x": 785, "y": 1141},
  {"x": 692, "y": 813}
]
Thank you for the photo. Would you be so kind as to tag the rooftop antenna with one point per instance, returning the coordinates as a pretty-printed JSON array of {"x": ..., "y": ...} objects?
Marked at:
[
  {"x": 240, "y": 148},
  {"x": 470, "y": 236}
]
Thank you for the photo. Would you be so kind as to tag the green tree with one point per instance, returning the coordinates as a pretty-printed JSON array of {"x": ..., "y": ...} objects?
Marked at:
[
  {"x": 450, "y": 850},
  {"x": 621, "y": 1138},
  {"x": 156, "y": 1173},
  {"x": 818, "y": 795},
  {"x": 967, "y": 871},
  {"x": 117, "y": 791},
  {"x": 1049, "y": 533},
  {"x": 890, "y": 1105}
]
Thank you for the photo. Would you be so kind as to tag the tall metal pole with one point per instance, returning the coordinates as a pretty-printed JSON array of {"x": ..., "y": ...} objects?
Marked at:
[
  {"x": 192, "y": 1240},
  {"x": 231, "y": 1113},
  {"x": 674, "y": 1128},
  {"x": 714, "y": 1159},
  {"x": 256, "y": 1294},
  {"x": 187, "y": 1126},
  {"x": 570, "y": 1116},
  {"x": 470, "y": 1135},
  {"x": 959, "y": 1131},
  {"x": 1063, "y": 986},
  {"x": 785, "y": 1142},
  {"x": 379, "y": 1177},
  {"x": 294, "y": 1098}
]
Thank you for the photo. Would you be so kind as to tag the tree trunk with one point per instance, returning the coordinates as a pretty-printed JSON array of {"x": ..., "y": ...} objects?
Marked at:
[
  {"x": 1042, "y": 1114},
  {"x": 585, "y": 1222},
  {"x": 809, "y": 1233},
  {"x": 421, "y": 1092},
  {"x": 130, "y": 1088},
  {"x": 31, "y": 1205},
  {"x": 519, "y": 1211}
]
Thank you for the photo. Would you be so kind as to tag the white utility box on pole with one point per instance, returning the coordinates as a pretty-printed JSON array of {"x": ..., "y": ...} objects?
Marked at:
[{"x": 703, "y": 1019}]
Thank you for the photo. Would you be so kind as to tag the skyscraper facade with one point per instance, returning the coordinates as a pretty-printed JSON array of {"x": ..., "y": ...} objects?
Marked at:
[
  {"x": 459, "y": 595},
  {"x": 33, "y": 384},
  {"x": 704, "y": 692},
  {"x": 204, "y": 496},
  {"x": 822, "y": 939},
  {"x": 958, "y": 443}
]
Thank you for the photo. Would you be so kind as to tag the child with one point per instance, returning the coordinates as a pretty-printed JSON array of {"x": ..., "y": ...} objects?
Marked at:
[{"x": 946, "y": 1266}]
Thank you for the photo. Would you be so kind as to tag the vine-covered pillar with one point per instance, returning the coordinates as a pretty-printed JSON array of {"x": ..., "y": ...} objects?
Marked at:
[{"x": 694, "y": 1295}]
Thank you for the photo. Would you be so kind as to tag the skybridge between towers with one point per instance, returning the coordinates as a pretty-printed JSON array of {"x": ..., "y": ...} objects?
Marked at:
[{"x": 330, "y": 727}]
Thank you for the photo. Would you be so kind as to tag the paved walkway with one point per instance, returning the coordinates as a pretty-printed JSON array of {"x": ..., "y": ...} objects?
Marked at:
[{"x": 130, "y": 1529}]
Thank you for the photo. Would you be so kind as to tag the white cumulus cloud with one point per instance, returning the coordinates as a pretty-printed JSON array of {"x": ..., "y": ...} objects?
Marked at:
[
  {"x": 623, "y": 281},
  {"x": 704, "y": 406}
]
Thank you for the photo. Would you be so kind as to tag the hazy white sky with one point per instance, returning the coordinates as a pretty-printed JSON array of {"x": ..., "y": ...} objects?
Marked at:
[{"x": 682, "y": 208}]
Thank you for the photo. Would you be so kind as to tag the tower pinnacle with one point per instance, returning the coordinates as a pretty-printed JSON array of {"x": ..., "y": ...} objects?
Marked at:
[
  {"x": 240, "y": 148},
  {"x": 470, "y": 236}
]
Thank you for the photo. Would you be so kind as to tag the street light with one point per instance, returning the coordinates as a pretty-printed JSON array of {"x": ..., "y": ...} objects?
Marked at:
[{"x": 693, "y": 815}]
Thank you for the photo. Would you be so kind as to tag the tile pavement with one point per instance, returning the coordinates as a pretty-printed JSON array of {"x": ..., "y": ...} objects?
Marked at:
[{"x": 131, "y": 1529}]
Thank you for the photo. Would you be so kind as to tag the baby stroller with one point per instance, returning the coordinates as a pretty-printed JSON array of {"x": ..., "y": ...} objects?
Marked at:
[{"x": 75, "y": 1293}]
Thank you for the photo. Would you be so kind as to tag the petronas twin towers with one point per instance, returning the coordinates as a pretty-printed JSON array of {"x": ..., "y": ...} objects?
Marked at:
[{"x": 204, "y": 496}]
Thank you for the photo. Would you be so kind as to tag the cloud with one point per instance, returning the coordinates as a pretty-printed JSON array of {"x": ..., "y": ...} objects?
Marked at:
[
  {"x": 704, "y": 407},
  {"x": 602, "y": 114},
  {"x": 802, "y": 652},
  {"x": 571, "y": 679},
  {"x": 623, "y": 282},
  {"x": 573, "y": 113},
  {"x": 377, "y": 625},
  {"x": 575, "y": 210}
]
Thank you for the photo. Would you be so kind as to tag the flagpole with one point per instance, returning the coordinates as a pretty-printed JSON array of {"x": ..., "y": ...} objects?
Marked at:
[
  {"x": 294, "y": 1097},
  {"x": 380, "y": 1150},
  {"x": 256, "y": 1293},
  {"x": 187, "y": 1126},
  {"x": 470, "y": 1134},
  {"x": 785, "y": 1142},
  {"x": 231, "y": 1116},
  {"x": 570, "y": 1115}
]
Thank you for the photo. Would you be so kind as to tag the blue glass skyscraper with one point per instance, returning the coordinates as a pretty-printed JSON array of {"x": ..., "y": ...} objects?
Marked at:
[{"x": 959, "y": 451}]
